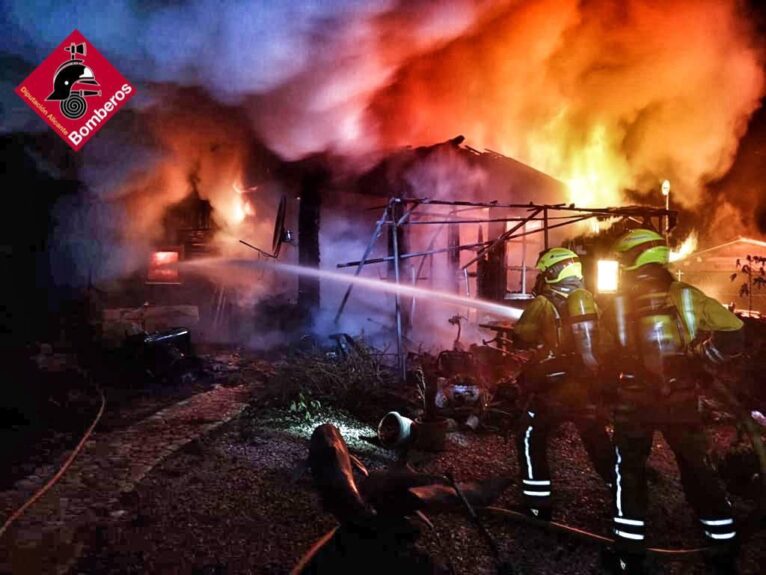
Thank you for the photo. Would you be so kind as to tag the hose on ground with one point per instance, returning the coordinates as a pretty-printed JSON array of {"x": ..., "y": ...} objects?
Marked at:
[
  {"x": 554, "y": 527},
  {"x": 60, "y": 473},
  {"x": 753, "y": 432},
  {"x": 751, "y": 525}
]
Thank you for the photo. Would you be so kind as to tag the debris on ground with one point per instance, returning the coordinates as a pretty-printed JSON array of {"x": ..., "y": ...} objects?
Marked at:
[
  {"x": 253, "y": 473},
  {"x": 241, "y": 499}
]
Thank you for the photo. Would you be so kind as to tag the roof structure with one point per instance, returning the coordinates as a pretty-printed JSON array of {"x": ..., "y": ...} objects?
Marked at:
[
  {"x": 725, "y": 255},
  {"x": 427, "y": 170}
]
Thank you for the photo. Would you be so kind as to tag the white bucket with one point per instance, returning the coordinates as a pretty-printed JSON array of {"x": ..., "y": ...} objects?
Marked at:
[{"x": 394, "y": 429}]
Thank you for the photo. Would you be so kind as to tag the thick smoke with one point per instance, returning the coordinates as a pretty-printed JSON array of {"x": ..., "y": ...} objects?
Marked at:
[
  {"x": 741, "y": 192},
  {"x": 294, "y": 75},
  {"x": 605, "y": 95},
  {"x": 143, "y": 164},
  {"x": 305, "y": 69}
]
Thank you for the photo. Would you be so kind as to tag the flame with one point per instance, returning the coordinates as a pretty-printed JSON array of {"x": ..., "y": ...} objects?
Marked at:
[
  {"x": 241, "y": 206},
  {"x": 207, "y": 154},
  {"x": 238, "y": 206},
  {"x": 604, "y": 96},
  {"x": 593, "y": 170},
  {"x": 163, "y": 267},
  {"x": 687, "y": 247}
]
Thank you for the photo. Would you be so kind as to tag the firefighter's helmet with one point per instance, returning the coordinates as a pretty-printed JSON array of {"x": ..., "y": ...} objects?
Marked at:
[
  {"x": 640, "y": 247},
  {"x": 557, "y": 264},
  {"x": 69, "y": 74}
]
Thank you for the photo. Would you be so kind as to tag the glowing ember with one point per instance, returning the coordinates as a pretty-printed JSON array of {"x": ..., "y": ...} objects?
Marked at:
[
  {"x": 686, "y": 248},
  {"x": 164, "y": 258}
]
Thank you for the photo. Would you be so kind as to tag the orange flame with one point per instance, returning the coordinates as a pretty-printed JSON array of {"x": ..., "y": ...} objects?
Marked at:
[
  {"x": 686, "y": 248},
  {"x": 240, "y": 206},
  {"x": 605, "y": 96}
]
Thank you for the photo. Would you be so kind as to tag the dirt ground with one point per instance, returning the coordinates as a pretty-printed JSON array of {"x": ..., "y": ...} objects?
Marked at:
[{"x": 240, "y": 500}]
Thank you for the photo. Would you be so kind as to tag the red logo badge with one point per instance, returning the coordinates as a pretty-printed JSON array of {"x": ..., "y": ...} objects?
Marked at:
[{"x": 76, "y": 90}]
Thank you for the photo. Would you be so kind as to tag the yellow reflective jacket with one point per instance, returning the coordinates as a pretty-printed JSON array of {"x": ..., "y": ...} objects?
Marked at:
[
  {"x": 684, "y": 321},
  {"x": 565, "y": 354},
  {"x": 541, "y": 324},
  {"x": 538, "y": 325}
]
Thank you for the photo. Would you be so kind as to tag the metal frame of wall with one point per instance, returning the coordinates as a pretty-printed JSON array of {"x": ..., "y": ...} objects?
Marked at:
[{"x": 400, "y": 212}]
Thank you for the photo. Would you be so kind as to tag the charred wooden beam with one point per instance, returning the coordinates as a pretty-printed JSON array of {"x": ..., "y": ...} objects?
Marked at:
[
  {"x": 309, "y": 221},
  {"x": 453, "y": 256},
  {"x": 491, "y": 280}
]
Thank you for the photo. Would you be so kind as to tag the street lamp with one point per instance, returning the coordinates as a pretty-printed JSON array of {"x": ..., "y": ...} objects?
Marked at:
[{"x": 666, "y": 192}]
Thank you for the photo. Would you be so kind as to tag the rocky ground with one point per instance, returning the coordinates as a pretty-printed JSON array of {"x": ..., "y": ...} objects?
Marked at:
[{"x": 181, "y": 490}]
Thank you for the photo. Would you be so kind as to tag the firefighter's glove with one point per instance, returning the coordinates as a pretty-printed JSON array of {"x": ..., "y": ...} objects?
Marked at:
[{"x": 718, "y": 349}]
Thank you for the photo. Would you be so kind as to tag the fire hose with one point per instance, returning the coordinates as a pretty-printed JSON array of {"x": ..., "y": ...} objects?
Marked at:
[
  {"x": 582, "y": 534},
  {"x": 503, "y": 566},
  {"x": 60, "y": 473},
  {"x": 754, "y": 435}
]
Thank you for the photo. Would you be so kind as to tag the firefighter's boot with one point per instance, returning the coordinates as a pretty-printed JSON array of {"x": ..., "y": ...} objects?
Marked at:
[{"x": 542, "y": 513}]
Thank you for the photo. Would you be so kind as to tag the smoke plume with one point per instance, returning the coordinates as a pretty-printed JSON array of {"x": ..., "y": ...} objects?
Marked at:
[{"x": 606, "y": 95}]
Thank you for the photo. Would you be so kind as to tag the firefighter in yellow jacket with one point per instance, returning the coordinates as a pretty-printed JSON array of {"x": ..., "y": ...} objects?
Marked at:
[
  {"x": 665, "y": 330},
  {"x": 561, "y": 326}
]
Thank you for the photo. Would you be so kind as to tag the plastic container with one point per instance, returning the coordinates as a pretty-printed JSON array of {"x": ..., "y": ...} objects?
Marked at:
[{"x": 395, "y": 430}]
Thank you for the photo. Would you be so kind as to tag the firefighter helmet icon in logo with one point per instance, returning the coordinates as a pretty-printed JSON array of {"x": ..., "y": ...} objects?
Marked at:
[
  {"x": 70, "y": 81},
  {"x": 79, "y": 105}
]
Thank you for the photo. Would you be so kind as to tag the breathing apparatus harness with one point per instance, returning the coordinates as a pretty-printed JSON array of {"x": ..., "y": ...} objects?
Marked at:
[
  {"x": 569, "y": 355},
  {"x": 652, "y": 335}
]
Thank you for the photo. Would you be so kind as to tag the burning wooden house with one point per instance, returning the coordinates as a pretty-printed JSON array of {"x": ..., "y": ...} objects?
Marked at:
[
  {"x": 452, "y": 171},
  {"x": 718, "y": 271},
  {"x": 449, "y": 218},
  {"x": 160, "y": 296}
]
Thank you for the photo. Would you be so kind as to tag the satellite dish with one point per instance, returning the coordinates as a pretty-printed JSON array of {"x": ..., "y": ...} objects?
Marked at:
[{"x": 281, "y": 235}]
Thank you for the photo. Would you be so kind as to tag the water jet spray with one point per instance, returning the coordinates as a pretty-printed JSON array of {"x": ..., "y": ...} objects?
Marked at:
[{"x": 371, "y": 283}]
